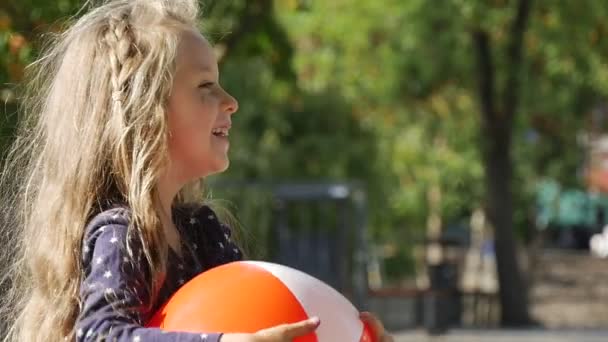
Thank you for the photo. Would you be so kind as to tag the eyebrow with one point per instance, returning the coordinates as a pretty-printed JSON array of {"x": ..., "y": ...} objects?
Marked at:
[{"x": 202, "y": 68}]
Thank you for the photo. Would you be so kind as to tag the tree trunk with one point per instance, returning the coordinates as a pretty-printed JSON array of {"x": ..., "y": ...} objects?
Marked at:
[
  {"x": 497, "y": 129},
  {"x": 498, "y": 172}
]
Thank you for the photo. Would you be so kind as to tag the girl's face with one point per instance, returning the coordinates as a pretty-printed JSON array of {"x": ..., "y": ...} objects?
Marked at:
[{"x": 199, "y": 112}]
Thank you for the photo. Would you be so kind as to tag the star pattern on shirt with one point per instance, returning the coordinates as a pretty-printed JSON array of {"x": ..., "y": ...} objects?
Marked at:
[{"x": 109, "y": 266}]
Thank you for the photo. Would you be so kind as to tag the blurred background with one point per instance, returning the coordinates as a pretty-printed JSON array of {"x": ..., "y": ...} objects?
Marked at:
[{"x": 442, "y": 163}]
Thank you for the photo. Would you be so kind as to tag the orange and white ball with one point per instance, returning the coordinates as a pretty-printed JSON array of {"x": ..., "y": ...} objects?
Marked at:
[{"x": 248, "y": 296}]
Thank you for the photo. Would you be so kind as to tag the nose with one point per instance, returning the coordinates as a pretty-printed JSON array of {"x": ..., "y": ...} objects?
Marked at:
[{"x": 230, "y": 105}]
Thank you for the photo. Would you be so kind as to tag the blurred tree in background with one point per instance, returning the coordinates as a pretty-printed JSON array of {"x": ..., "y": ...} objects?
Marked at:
[
  {"x": 478, "y": 98},
  {"x": 473, "y": 96}
]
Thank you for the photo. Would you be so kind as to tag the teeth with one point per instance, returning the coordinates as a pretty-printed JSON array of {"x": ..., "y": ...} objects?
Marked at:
[{"x": 220, "y": 131}]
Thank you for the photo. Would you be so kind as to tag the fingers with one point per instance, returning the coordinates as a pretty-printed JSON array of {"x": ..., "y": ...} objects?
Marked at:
[
  {"x": 287, "y": 332},
  {"x": 374, "y": 323},
  {"x": 301, "y": 328},
  {"x": 376, "y": 326}
]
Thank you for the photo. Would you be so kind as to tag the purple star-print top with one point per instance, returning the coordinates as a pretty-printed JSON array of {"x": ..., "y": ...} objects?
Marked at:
[{"x": 114, "y": 292}]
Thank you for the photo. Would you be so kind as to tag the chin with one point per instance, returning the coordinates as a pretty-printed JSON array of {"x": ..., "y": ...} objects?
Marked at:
[{"x": 220, "y": 166}]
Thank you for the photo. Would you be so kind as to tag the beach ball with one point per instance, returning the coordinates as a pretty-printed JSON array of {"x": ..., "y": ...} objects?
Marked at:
[{"x": 248, "y": 296}]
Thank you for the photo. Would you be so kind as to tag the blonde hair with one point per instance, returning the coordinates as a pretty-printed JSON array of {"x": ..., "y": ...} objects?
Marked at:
[{"x": 94, "y": 131}]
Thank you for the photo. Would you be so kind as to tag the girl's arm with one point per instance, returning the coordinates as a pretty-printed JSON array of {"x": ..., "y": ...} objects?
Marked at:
[{"x": 114, "y": 296}]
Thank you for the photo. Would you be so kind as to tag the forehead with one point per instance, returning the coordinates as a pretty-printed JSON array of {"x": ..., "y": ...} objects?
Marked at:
[{"x": 195, "y": 52}]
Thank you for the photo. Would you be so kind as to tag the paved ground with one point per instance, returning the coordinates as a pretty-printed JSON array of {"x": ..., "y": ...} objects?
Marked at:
[
  {"x": 570, "y": 290},
  {"x": 459, "y": 335},
  {"x": 569, "y": 297}
]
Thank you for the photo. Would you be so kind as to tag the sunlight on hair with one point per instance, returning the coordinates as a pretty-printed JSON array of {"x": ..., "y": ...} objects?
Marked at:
[{"x": 93, "y": 132}]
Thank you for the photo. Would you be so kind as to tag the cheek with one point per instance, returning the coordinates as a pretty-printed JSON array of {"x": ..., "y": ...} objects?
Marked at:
[{"x": 190, "y": 130}]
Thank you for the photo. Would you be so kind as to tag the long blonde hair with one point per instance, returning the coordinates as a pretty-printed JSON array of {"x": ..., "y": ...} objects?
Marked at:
[{"x": 94, "y": 131}]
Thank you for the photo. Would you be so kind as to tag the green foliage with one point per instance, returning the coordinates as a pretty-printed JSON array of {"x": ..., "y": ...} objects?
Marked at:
[
  {"x": 22, "y": 23},
  {"x": 382, "y": 91},
  {"x": 410, "y": 70}
]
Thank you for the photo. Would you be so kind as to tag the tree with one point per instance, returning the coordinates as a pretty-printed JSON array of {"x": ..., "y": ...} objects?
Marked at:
[
  {"x": 497, "y": 129},
  {"x": 21, "y": 24},
  {"x": 280, "y": 133},
  {"x": 479, "y": 98},
  {"x": 417, "y": 69}
]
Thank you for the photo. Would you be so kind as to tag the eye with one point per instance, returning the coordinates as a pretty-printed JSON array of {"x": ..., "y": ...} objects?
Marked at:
[{"x": 206, "y": 85}]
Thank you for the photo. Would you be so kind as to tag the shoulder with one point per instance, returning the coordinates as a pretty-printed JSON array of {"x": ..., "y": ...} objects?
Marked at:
[
  {"x": 105, "y": 231},
  {"x": 117, "y": 217}
]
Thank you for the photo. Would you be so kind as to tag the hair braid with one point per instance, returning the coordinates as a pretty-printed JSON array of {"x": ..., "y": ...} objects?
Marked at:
[
  {"x": 94, "y": 131},
  {"x": 123, "y": 59},
  {"x": 122, "y": 54}
]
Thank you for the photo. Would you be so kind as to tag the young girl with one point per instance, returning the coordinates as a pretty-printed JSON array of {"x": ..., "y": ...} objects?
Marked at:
[{"x": 125, "y": 117}]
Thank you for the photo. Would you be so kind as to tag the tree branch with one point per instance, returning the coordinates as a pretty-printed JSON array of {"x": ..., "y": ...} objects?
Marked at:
[{"x": 514, "y": 55}]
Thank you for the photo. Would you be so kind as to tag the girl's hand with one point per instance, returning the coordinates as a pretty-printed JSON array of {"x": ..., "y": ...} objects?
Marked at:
[
  {"x": 376, "y": 326},
  {"x": 279, "y": 333}
]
